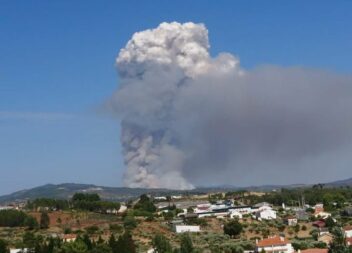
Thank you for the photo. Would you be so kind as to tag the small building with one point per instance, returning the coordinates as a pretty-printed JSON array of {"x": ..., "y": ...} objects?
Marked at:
[
  {"x": 348, "y": 231},
  {"x": 291, "y": 221},
  {"x": 266, "y": 214},
  {"x": 242, "y": 209},
  {"x": 69, "y": 237},
  {"x": 319, "y": 208},
  {"x": 186, "y": 228},
  {"x": 274, "y": 244}
]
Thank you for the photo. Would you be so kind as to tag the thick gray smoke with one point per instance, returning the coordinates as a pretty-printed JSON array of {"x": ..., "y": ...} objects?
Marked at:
[{"x": 188, "y": 118}]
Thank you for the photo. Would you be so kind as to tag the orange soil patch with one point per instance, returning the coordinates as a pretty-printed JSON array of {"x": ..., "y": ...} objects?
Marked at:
[{"x": 66, "y": 218}]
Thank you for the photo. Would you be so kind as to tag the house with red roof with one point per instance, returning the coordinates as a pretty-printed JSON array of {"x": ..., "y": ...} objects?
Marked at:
[{"x": 275, "y": 244}]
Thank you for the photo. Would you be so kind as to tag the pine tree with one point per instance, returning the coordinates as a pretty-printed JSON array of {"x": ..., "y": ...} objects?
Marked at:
[{"x": 44, "y": 220}]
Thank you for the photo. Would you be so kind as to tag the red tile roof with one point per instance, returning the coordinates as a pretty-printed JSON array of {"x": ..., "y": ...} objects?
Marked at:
[{"x": 273, "y": 241}]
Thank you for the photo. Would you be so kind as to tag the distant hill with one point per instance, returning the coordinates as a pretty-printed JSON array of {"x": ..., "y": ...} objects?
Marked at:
[
  {"x": 339, "y": 183},
  {"x": 66, "y": 191}
]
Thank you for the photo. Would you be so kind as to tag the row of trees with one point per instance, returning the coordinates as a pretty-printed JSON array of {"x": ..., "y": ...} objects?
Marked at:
[
  {"x": 82, "y": 201},
  {"x": 83, "y": 244},
  {"x": 332, "y": 198},
  {"x": 15, "y": 218}
]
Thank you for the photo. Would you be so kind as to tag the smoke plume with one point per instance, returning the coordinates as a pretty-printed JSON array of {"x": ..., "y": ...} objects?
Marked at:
[{"x": 189, "y": 118}]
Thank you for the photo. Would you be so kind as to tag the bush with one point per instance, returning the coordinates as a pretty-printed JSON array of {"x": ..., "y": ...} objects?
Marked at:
[
  {"x": 233, "y": 228},
  {"x": 92, "y": 229},
  {"x": 129, "y": 222}
]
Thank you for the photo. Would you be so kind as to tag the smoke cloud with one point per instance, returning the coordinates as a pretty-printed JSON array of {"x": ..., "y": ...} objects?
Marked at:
[{"x": 189, "y": 118}]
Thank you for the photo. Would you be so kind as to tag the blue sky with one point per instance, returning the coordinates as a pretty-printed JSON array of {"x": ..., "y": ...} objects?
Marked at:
[{"x": 57, "y": 67}]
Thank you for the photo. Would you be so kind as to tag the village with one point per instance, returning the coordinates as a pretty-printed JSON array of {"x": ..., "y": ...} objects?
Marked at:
[{"x": 214, "y": 222}]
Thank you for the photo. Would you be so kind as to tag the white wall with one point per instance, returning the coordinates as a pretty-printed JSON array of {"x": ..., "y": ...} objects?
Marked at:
[{"x": 186, "y": 228}]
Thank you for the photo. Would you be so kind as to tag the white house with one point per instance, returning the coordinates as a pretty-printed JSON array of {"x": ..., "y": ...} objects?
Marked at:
[
  {"x": 274, "y": 244},
  {"x": 242, "y": 209},
  {"x": 266, "y": 214},
  {"x": 348, "y": 231},
  {"x": 291, "y": 221},
  {"x": 186, "y": 228}
]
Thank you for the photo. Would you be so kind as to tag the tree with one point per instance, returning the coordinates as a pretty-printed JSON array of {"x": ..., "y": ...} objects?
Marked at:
[
  {"x": 145, "y": 204},
  {"x": 129, "y": 222},
  {"x": 87, "y": 241},
  {"x": 233, "y": 228},
  {"x": 3, "y": 247},
  {"x": 31, "y": 222},
  {"x": 297, "y": 228},
  {"x": 12, "y": 218},
  {"x": 112, "y": 241},
  {"x": 101, "y": 248},
  {"x": 339, "y": 242},
  {"x": 161, "y": 244},
  {"x": 44, "y": 220},
  {"x": 329, "y": 222},
  {"x": 77, "y": 246},
  {"x": 186, "y": 244},
  {"x": 125, "y": 243},
  {"x": 29, "y": 240}
]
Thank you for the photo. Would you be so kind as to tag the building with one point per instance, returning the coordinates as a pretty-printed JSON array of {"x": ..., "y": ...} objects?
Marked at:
[
  {"x": 276, "y": 244},
  {"x": 186, "y": 228},
  {"x": 266, "y": 214},
  {"x": 69, "y": 237},
  {"x": 242, "y": 209},
  {"x": 291, "y": 220},
  {"x": 318, "y": 208},
  {"x": 348, "y": 231}
]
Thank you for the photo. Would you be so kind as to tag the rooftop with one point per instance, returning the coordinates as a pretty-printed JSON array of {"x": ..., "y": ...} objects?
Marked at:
[{"x": 273, "y": 241}]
